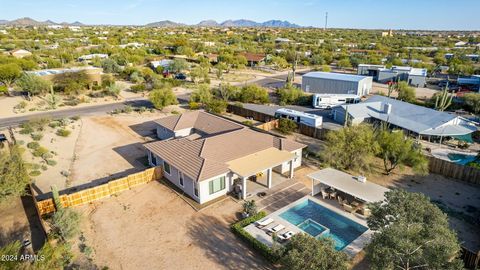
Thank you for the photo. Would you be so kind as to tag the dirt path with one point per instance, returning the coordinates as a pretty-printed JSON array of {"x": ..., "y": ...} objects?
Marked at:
[{"x": 150, "y": 227}]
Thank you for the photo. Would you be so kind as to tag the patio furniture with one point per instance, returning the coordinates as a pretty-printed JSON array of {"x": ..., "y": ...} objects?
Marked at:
[
  {"x": 348, "y": 208},
  {"x": 340, "y": 199},
  {"x": 265, "y": 222},
  {"x": 333, "y": 195},
  {"x": 355, "y": 203},
  {"x": 366, "y": 212},
  {"x": 325, "y": 194},
  {"x": 276, "y": 228},
  {"x": 286, "y": 236}
]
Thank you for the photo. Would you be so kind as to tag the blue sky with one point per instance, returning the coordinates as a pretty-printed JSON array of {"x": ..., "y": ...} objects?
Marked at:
[{"x": 374, "y": 14}]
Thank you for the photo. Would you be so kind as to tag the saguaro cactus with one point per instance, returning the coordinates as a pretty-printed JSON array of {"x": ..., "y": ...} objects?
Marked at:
[{"x": 444, "y": 100}]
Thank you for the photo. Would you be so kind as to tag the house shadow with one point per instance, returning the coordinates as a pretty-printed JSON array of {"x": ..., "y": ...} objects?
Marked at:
[
  {"x": 134, "y": 153},
  {"x": 220, "y": 245},
  {"x": 145, "y": 129},
  {"x": 37, "y": 234}
]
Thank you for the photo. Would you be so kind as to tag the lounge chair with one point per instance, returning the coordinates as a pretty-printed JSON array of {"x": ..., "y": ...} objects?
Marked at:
[
  {"x": 286, "y": 236},
  {"x": 348, "y": 208},
  {"x": 333, "y": 195},
  {"x": 276, "y": 228},
  {"x": 265, "y": 222},
  {"x": 340, "y": 200},
  {"x": 325, "y": 194}
]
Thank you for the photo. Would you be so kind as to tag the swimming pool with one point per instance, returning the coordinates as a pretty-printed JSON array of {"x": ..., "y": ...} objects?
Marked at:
[
  {"x": 319, "y": 221},
  {"x": 461, "y": 158}
]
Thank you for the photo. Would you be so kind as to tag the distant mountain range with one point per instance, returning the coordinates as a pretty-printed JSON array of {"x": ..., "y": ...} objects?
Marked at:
[{"x": 26, "y": 21}]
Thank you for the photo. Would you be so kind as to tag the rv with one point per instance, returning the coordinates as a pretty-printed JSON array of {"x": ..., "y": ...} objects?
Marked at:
[
  {"x": 299, "y": 117},
  {"x": 327, "y": 101}
]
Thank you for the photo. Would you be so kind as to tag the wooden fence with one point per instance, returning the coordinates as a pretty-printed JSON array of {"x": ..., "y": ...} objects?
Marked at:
[
  {"x": 470, "y": 259},
  {"x": 453, "y": 170},
  {"x": 102, "y": 191},
  {"x": 318, "y": 133}
]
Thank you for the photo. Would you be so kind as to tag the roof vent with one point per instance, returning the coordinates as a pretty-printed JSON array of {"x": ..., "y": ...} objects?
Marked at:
[
  {"x": 387, "y": 108},
  {"x": 361, "y": 179}
]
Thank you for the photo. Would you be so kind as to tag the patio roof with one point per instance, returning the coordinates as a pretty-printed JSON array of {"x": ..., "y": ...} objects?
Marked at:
[
  {"x": 368, "y": 192},
  {"x": 259, "y": 161}
]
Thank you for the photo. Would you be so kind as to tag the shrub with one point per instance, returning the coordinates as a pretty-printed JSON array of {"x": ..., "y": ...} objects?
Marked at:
[
  {"x": 216, "y": 106},
  {"x": 33, "y": 145},
  {"x": 193, "y": 105},
  {"x": 44, "y": 167},
  {"x": 138, "y": 88},
  {"x": 75, "y": 118},
  {"x": 247, "y": 123},
  {"x": 238, "y": 229},
  {"x": 47, "y": 156},
  {"x": 26, "y": 128},
  {"x": 63, "y": 132},
  {"x": 54, "y": 124},
  {"x": 35, "y": 173},
  {"x": 40, "y": 151},
  {"x": 286, "y": 126},
  {"x": 36, "y": 136},
  {"x": 65, "y": 223},
  {"x": 51, "y": 162},
  {"x": 290, "y": 95},
  {"x": 127, "y": 109}
]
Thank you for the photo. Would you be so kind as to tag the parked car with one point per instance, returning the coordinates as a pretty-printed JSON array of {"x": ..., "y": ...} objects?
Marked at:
[{"x": 180, "y": 76}]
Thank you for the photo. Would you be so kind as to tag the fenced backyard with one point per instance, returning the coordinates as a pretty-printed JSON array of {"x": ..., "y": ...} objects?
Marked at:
[
  {"x": 101, "y": 191},
  {"x": 452, "y": 170}
]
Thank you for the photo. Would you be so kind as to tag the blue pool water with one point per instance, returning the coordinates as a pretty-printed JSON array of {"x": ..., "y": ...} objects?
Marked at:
[
  {"x": 319, "y": 221},
  {"x": 461, "y": 158}
]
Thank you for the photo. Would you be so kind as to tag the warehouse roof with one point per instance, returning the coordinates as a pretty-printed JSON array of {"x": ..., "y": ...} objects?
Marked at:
[
  {"x": 335, "y": 76},
  {"x": 412, "y": 117}
]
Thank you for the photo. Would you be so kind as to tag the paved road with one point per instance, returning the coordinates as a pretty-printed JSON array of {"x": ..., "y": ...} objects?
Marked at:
[{"x": 278, "y": 80}]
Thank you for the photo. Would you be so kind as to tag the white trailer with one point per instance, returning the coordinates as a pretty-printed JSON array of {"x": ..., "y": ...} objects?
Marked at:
[
  {"x": 327, "y": 101},
  {"x": 300, "y": 117}
]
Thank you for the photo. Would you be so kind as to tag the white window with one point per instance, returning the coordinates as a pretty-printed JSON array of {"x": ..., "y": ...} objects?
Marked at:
[{"x": 216, "y": 185}]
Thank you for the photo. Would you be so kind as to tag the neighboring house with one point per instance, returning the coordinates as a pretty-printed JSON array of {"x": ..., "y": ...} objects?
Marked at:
[
  {"x": 94, "y": 74},
  {"x": 208, "y": 156},
  {"x": 282, "y": 40},
  {"x": 20, "y": 53},
  {"x": 254, "y": 59},
  {"x": 418, "y": 121},
  {"x": 336, "y": 83},
  {"x": 89, "y": 57},
  {"x": 164, "y": 63},
  {"x": 414, "y": 76}
]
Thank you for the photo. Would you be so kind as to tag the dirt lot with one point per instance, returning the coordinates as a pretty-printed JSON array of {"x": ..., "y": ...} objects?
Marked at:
[
  {"x": 150, "y": 227},
  {"x": 421, "y": 93}
]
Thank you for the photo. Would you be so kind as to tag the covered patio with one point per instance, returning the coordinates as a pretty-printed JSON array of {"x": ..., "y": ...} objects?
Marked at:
[
  {"x": 352, "y": 193},
  {"x": 260, "y": 165}
]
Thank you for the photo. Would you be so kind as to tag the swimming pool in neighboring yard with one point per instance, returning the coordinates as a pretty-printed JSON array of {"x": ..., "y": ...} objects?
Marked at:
[
  {"x": 461, "y": 158},
  {"x": 319, "y": 221}
]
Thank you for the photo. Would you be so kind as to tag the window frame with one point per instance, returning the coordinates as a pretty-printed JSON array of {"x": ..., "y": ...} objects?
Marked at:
[
  {"x": 169, "y": 168},
  {"x": 211, "y": 188},
  {"x": 181, "y": 179}
]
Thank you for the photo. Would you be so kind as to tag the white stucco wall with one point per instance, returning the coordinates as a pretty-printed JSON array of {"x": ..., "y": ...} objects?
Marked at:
[{"x": 204, "y": 188}]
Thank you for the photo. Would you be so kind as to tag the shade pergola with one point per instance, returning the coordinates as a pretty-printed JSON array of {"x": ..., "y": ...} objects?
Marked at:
[
  {"x": 259, "y": 161},
  {"x": 368, "y": 192}
]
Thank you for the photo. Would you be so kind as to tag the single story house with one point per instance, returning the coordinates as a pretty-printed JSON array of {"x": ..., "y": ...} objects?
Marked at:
[
  {"x": 419, "y": 121},
  {"x": 336, "y": 83},
  {"x": 254, "y": 59},
  {"x": 208, "y": 156},
  {"x": 89, "y": 57}
]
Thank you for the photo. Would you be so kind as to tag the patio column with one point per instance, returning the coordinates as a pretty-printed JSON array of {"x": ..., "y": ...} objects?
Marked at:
[
  {"x": 269, "y": 178},
  {"x": 244, "y": 188},
  {"x": 150, "y": 158},
  {"x": 291, "y": 169}
]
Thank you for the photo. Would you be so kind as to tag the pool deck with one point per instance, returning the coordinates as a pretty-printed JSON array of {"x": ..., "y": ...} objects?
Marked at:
[
  {"x": 351, "y": 249},
  {"x": 442, "y": 153}
]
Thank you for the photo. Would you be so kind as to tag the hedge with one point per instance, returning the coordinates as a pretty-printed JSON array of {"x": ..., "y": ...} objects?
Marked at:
[{"x": 237, "y": 229}]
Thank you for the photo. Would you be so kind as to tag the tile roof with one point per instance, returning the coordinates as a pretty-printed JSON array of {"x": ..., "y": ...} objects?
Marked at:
[{"x": 207, "y": 157}]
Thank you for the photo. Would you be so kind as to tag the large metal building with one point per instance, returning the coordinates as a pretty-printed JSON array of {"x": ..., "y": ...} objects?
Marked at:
[{"x": 336, "y": 83}]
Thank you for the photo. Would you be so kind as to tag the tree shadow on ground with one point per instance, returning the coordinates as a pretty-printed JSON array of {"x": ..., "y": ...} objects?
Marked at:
[
  {"x": 213, "y": 236},
  {"x": 145, "y": 129}
]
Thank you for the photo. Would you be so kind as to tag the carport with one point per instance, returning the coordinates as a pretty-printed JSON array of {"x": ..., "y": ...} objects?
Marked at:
[{"x": 258, "y": 162}]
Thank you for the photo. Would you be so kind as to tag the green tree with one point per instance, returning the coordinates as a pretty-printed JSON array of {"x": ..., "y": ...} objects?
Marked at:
[
  {"x": 13, "y": 174},
  {"x": 344, "y": 63},
  {"x": 473, "y": 101},
  {"x": 9, "y": 73},
  {"x": 163, "y": 97},
  {"x": 290, "y": 94},
  {"x": 198, "y": 73},
  {"x": 54, "y": 256},
  {"x": 304, "y": 252},
  {"x": 178, "y": 65},
  {"x": 228, "y": 92},
  {"x": 253, "y": 94},
  {"x": 279, "y": 62},
  {"x": 220, "y": 68},
  {"x": 396, "y": 150},
  {"x": 411, "y": 233},
  {"x": 405, "y": 92},
  {"x": 218, "y": 106},
  {"x": 72, "y": 83},
  {"x": 286, "y": 126},
  {"x": 351, "y": 148},
  {"x": 33, "y": 84},
  {"x": 11, "y": 249},
  {"x": 202, "y": 94},
  {"x": 110, "y": 66}
]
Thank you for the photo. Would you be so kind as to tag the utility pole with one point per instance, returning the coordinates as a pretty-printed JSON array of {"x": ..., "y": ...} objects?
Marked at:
[{"x": 326, "y": 21}]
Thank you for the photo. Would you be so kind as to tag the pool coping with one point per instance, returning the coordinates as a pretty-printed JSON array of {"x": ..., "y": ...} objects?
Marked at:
[{"x": 351, "y": 249}]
